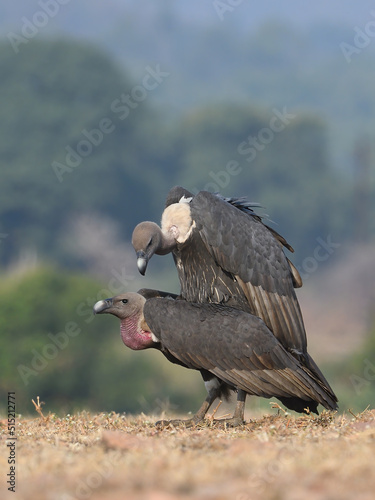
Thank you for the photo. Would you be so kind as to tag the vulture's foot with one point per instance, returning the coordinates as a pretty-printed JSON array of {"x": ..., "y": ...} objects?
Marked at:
[
  {"x": 238, "y": 418},
  {"x": 190, "y": 422},
  {"x": 234, "y": 421}
]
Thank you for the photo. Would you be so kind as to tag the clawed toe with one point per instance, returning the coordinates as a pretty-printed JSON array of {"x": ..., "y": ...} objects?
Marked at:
[
  {"x": 229, "y": 422},
  {"x": 190, "y": 422}
]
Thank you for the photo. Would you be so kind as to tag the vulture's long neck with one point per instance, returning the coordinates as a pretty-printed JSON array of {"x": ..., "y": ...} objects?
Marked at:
[
  {"x": 167, "y": 242},
  {"x": 135, "y": 333}
]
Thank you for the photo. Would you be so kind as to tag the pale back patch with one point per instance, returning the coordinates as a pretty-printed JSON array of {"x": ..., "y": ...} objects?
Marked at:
[{"x": 176, "y": 221}]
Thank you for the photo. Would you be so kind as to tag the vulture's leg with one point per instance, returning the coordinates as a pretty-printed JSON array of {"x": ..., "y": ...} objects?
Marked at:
[
  {"x": 214, "y": 392},
  {"x": 238, "y": 415}
]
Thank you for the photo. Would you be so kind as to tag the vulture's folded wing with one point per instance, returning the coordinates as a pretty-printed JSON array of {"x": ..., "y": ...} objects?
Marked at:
[
  {"x": 175, "y": 194},
  {"x": 252, "y": 253},
  {"x": 149, "y": 293},
  {"x": 235, "y": 346}
]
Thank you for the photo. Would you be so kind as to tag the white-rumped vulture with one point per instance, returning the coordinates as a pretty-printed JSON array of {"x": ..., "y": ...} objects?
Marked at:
[
  {"x": 225, "y": 254},
  {"x": 234, "y": 346}
]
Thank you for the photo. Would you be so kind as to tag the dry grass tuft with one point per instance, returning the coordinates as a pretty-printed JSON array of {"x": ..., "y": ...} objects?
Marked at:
[
  {"x": 112, "y": 457},
  {"x": 38, "y": 408}
]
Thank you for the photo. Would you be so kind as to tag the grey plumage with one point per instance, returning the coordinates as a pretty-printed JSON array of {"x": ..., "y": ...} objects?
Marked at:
[
  {"x": 235, "y": 346},
  {"x": 238, "y": 348}
]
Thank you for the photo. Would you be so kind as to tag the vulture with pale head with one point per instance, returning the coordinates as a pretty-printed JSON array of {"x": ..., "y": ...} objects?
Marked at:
[
  {"x": 225, "y": 254},
  {"x": 233, "y": 350}
]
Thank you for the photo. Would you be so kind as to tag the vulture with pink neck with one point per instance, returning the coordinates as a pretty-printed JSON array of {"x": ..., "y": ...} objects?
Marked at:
[{"x": 233, "y": 350}]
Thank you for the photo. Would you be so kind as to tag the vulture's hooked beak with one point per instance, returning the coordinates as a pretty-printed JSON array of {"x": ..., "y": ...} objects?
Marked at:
[
  {"x": 102, "y": 306},
  {"x": 142, "y": 262}
]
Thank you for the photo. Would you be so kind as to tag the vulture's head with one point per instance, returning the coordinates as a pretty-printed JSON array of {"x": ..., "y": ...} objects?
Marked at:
[
  {"x": 128, "y": 307},
  {"x": 149, "y": 239},
  {"x": 146, "y": 239}
]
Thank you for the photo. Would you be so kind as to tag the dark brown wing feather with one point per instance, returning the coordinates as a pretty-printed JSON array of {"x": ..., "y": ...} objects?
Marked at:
[
  {"x": 149, "y": 293},
  {"x": 236, "y": 259},
  {"x": 243, "y": 246},
  {"x": 235, "y": 346},
  {"x": 175, "y": 194}
]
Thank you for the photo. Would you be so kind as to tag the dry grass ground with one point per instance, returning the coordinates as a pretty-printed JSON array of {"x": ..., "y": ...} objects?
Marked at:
[{"x": 115, "y": 457}]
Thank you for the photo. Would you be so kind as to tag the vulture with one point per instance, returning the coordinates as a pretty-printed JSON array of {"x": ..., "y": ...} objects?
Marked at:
[
  {"x": 225, "y": 254},
  {"x": 233, "y": 345}
]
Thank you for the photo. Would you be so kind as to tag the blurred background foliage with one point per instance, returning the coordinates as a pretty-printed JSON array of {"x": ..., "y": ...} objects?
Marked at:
[
  {"x": 65, "y": 242},
  {"x": 54, "y": 347}
]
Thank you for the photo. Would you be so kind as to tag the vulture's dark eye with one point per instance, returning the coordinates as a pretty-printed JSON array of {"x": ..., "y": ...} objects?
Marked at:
[{"x": 124, "y": 301}]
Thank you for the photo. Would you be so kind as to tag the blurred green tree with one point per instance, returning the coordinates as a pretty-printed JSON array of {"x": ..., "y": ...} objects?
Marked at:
[
  {"x": 69, "y": 144},
  {"x": 53, "y": 347},
  {"x": 277, "y": 159}
]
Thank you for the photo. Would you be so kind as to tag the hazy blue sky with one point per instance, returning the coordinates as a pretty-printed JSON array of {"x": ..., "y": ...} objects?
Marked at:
[{"x": 82, "y": 15}]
